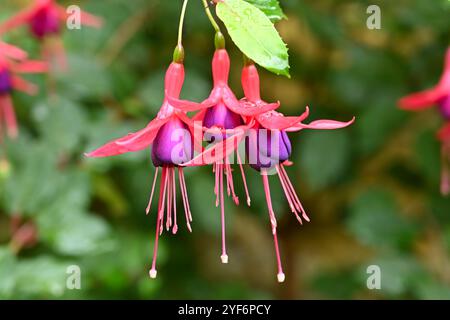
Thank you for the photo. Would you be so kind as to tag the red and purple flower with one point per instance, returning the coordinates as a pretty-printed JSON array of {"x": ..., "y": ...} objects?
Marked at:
[
  {"x": 170, "y": 135},
  {"x": 275, "y": 125}
]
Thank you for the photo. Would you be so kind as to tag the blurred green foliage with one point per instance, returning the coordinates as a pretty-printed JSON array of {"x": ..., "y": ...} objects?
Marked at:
[{"x": 372, "y": 190}]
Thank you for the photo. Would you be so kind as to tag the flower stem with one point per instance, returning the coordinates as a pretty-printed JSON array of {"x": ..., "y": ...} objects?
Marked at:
[
  {"x": 178, "y": 53},
  {"x": 247, "y": 60},
  {"x": 210, "y": 16},
  {"x": 180, "y": 27}
]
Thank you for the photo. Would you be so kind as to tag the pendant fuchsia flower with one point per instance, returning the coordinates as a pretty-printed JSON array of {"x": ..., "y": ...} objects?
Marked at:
[
  {"x": 10, "y": 80},
  {"x": 437, "y": 96},
  {"x": 44, "y": 19},
  {"x": 170, "y": 135}
]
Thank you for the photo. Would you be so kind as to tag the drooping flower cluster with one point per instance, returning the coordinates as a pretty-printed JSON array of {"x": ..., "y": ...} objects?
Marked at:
[
  {"x": 437, "y": 96},
  {"x": 170, "y": 133},
  {"x": 222, "y": 122},
  {"x": 220, "y": 126}
]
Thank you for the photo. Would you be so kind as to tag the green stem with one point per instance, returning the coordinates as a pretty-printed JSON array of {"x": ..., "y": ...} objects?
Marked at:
[
  {"x": 210, "y": 16},
  {"x": 247, "y": 60},
  {"x": 180, "y": 27}
]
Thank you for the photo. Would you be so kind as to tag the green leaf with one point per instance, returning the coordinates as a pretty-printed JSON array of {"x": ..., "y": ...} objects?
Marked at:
[
  {"x": 25, "y": 190},
  {"x": 375, "y": 221},
  {"x": 86, "y": 78},
  {"x": 65, "y": 223},
  {"x": 42, "y": 277},
  {"x": 271, "y": 8},
  {"x": 75, "y": 233},
  {"x": 255, "y": 35},
  {"x": 61, "y": 123},
  {"x": 319, "y": 169},
  {"x": 432, "y": 289}
]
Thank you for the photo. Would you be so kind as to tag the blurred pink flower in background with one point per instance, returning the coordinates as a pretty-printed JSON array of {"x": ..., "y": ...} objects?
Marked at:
[
  {"x": 45, "y": 19},
  {"x": 438, "y": 96},
  {"x": 10, "y": 79}
]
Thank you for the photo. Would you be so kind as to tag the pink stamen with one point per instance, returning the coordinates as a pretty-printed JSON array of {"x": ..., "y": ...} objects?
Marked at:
[
  {"x": 163, "y": 203},
  {"x": 216, "y": 182},
  {"x": 147, "y": 210},
  {"x": 185, "y": 204},
  {"x": 228, "y": 180},
  {"x": 288, "y": 195},
  {"x": 224, "y": 256},
  {"x": 304, "y": 215},
  {"x": 290, "y": 192},
  {"x": 159, "y": 217},
  {"x": 174, "y": 192},
  {"x": 231, "y": 184},
  {"x": 280, "y": 274},
  {"x": 185, "y": 194},
  {"x": 273, "y": 221},
  {"x": 243, "y": 178},
  {"x": 169, "y": 199}
]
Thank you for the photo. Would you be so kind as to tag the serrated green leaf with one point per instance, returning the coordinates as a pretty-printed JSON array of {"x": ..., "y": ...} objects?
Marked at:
[
  {"x": 61, "y": 124},
  {"x": 271, "y": 8},
  {"x": 255, "y": 35}
]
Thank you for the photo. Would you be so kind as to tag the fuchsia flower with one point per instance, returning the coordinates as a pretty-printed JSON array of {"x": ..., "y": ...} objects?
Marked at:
[
  {"x": 436, "y": 96},
  {"x": 10, "y": 80},
  {"x": 278, "y": 125},
  {"x": 222, "y": 113},
  {"x": 170, "y": 135},
  {"x": 259, "y": 145},
  {"x": 44, "y": 19}
]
